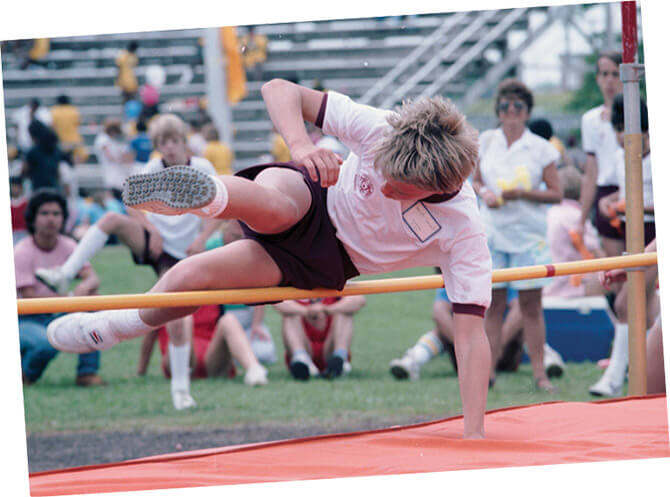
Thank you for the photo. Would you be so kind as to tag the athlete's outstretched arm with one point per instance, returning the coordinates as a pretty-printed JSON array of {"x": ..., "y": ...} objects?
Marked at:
[{"x": 289, "y": 105}]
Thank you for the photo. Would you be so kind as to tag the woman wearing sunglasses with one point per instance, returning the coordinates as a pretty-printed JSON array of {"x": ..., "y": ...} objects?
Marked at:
[{"x": 516, "y": 180}]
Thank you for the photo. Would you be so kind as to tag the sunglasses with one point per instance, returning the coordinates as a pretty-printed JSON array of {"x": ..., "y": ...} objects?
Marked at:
[
  {"x": 604, "y": 74},
  {"x": 504, "y": 106}
]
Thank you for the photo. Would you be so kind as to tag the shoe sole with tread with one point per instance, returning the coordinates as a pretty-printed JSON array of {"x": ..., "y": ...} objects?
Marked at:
[{"x": 176, "y": 189}]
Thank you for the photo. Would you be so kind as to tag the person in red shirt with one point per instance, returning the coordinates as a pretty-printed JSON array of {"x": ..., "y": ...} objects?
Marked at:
[
  {"x": 19, "y": 202},
  {"x": 317, "y": 335}
]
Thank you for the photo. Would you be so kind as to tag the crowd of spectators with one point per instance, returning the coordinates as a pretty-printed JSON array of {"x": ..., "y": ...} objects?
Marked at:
[{"x": 542, "y": 202}]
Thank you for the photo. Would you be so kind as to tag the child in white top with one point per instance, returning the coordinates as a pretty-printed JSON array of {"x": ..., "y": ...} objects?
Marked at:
[{"x": 400, "y": 200}]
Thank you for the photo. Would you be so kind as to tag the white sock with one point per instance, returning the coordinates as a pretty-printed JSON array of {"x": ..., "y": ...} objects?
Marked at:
[
  {"x": 616, "y": 370},
  {"x": 220, "y": 202},
  {"x": 90, "y": 244},
  {"x": 127, "y": 324},
  {"x": 427, "y": 347},
  {"x": 180, "y": 356}
]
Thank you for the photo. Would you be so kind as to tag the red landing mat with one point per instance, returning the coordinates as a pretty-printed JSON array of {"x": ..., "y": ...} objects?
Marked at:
[{"x": 550, "y": 433}]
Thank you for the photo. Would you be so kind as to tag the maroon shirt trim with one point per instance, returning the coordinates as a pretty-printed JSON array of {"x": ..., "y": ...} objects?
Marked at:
[
  {"x": 473, "y": 309},
  {"x": 440, "y": 197},
  {"x": 322, "y": 112}
]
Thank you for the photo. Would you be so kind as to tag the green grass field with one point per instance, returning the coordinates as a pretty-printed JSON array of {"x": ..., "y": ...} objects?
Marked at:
[{"x": 384, "y": 329}]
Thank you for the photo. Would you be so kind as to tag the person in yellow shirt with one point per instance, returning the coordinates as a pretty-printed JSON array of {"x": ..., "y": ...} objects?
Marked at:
[
  {"x": 65, "y": 120},
  {"x": 254, "y": 49},
  {"x": 126, "y": 79},
  {"x": 37, "y": 53},
  {"x": 217, "y": 152}
]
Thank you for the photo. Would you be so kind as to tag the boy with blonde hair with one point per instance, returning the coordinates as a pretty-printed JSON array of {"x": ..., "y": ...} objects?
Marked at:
[
  {"x": 399, "y": 200},
  {"x": 153, "y": 239}
]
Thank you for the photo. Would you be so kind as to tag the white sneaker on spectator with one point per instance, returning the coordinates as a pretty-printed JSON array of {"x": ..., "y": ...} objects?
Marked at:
[
  {"x": 346, "y": 368},
  {"x": 553, "y": 362},
  {"x": 404, "y": 368},
  {"x": 606, "y": 387},
  {"x": 181, "y": 399},
  {"x": 81, "y": 332},
  {"x": 256, "y": 375},
  {"x": 54, "y": 279}
]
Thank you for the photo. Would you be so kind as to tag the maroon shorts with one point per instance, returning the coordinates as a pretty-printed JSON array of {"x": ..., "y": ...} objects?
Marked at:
[
  {"x": 602, "y": 222},
  {"x": 309, "y": 254}
]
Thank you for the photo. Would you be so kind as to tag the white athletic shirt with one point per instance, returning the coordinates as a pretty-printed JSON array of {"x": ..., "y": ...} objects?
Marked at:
[
  {"x": 599, "y": 138},
  {"x": 517, "y": 225},
  {"x": 178, "y": 232},
  {"x": 647, "y": 190},
  {"x": 376, "y": 231}
]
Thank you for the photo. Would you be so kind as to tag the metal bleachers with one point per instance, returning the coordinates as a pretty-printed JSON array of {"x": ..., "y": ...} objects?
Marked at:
[{"x": 350, "y": 56}]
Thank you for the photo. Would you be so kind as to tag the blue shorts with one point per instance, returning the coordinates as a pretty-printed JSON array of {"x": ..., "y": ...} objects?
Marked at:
[{"x": 536, "y": 256}]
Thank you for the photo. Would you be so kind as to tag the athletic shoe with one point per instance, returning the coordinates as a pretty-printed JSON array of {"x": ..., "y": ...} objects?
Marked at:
[
  {"x": 605, "y": 387},
  {"x": 404, "y": 368},
  {"x": 175, "y": 190},
  {"x": 256, "y": 375},
  {"x": 81, "y": 332},
  {"x": 181, "y": 399},
  {"x": 334, "y": 366},
  {"x": 346, "y": 368},
  {"x": 54, "y": 279},
  {"x": 299, "y": 369},
  {"x": 553, "y": 362}
]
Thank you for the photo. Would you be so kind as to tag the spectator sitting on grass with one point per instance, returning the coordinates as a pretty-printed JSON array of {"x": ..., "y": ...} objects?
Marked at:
[
  {"x": 218, "y": 342},
  {"x": 317, "y": 335},
  {"x": 47, "y": 247}
]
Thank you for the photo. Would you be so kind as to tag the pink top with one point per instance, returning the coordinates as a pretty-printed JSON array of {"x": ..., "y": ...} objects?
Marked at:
[
  {"x": 28, "y": 257},
  {"x": 561, "y": 219}
]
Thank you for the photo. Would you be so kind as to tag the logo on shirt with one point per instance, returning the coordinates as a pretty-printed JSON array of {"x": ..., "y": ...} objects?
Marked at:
[
  {"x": 363, "y": 184},
  {"x": 95, "y": 336}
]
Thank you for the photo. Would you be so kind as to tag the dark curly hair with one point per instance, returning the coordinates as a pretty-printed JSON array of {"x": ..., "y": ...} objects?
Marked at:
[
  {"x": 37, "y": 200},
  {"x": 511, "y": 87}
]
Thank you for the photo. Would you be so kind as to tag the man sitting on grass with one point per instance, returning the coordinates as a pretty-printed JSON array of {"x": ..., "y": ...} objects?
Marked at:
[
  {"x": 47, "y": 247},
  {"x": 400, "y": 200}
]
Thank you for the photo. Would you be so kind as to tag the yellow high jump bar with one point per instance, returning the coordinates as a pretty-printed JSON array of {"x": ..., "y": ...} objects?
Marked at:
[{"x": 271, "y": 294}]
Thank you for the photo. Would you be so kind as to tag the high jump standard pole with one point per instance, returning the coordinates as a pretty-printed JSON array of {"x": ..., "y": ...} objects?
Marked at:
[{"x": 637, "y": 320}]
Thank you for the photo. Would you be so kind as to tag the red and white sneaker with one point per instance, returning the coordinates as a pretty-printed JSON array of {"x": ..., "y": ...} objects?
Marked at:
[
  {"x": 81, "y": 332},
  {"x": 176, "y": 190}
]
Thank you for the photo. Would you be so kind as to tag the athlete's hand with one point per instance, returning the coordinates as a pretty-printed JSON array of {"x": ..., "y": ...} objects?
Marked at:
[{"x": 314, "y": 159}]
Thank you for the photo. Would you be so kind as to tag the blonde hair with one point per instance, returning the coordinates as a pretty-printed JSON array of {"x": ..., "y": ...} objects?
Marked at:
[
  {"x": 166, "y": 125},
  {"x": 571, "y": 182},
  {"x": 430, "y": 146}
]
